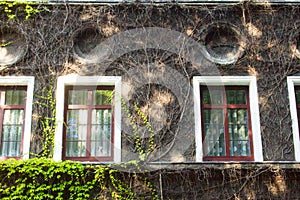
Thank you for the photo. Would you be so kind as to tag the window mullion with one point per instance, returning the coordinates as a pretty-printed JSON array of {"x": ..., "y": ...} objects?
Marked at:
[
  {"x": 89, "y": 123},
  {"x": 226, "y": 125}
]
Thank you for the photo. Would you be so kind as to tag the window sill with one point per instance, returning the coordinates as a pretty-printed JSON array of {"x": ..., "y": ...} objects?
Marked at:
[{"x": 226, "y": 165}]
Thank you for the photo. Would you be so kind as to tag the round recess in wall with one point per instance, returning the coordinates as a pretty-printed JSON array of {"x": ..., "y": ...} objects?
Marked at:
[
  {"x": 295, "y": 44},
  {"x": 223, "y": 43},
  {"x": 85, "y": 40},
  {"x": 13, "y": 46}
]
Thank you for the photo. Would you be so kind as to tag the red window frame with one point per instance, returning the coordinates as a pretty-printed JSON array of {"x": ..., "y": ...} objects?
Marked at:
[
  {"x": 4, "y": 107},
  {"x": 224, "y": 106},
  {"x": 89, "y": 107},
  {"x": 297, "y": 88}
]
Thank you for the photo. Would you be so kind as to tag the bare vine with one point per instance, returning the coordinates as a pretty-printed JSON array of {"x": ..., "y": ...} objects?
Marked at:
[{"x": 270, "y": 31}]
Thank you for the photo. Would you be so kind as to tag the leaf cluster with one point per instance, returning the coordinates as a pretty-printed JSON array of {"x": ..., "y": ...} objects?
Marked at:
[
  {"x": 41, "y": 178},
  {"x": 20, "y": 8}
]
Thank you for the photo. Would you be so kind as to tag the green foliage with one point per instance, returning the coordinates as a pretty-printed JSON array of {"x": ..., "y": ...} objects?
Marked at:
[
  {"x": 143, "y": 153},
  {"x": 47, "y": 102},
  {"x": 5, "y": 44},
  {"x": 41, "y": 178},
  {"x": 20, "y": 8},
  {"x": 149, "y": 128}
]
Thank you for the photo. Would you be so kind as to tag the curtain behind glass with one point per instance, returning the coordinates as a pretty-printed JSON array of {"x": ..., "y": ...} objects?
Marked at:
[
  {"x": 12, "y": 124},
  {"x": 12, "y": 132}
]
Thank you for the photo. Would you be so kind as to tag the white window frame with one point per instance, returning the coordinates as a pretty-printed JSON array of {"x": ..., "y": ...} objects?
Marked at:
[
  {"x": 27, "y": 81},
  {"x": 293, "y": 81},
  {"x": 73, "y": 80},
  {"x": 254, "y": 109}
]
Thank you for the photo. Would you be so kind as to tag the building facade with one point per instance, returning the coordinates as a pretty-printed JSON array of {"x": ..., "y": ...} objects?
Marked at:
[{"x": 194, "y": 87}]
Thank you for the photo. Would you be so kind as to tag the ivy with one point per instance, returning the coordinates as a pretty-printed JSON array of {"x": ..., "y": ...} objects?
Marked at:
[
  {"x": 48, "y": 123},
  {"x": 12, "y": 9},
  {"x": 5, "y": 44},
  {"x": 42, "y": 178},
  {"x": 149, "y": 128},
  {"x": 143, "y": 153}
]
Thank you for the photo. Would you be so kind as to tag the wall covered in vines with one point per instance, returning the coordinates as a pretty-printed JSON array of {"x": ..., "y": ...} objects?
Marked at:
[
  {"x": 64, "y": 39},
  {"x": 39, "y": 178}
]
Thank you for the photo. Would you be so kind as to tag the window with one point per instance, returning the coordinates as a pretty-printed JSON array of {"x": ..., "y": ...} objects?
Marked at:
[
  {"x": 90, "y": 113},
  {"x": 297, "y": 94},
  {"x": 227, "y": 119},
  {"x": 88, "y": 134},
  {"x": 294, "y": 97},
  {"x": 16, "y": 95}
]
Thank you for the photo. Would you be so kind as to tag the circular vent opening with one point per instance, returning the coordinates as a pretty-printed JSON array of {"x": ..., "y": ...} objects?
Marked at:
[
  {"x": 12, "y": 46},
  {"x": 223, "y": 43},
  {"x": 297, "y": 46},
  {"x": 86, "y": 40}
]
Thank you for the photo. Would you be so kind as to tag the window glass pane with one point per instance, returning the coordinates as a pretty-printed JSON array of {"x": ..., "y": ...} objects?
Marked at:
[
  {"x": 76, "y": 148},
  {"x": 102, "y": 97},
  {"x": 297, "y": 92},
  {"x": 15, "y": 97},
  {"x": 238, "y": 132},
  {"x": 298, "y": 112},
  {"x": 236, "y": 96},
  {"x": 78, "y": 97},
  {"x": 12, "y": 132},
  {"x": 214, "y": 140},
  {"x": 212, "y": 96},
  {"x": 76, "y": 133},
  {"x": 205, "y": 97},
  {"x": 101, "y": 133}
]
